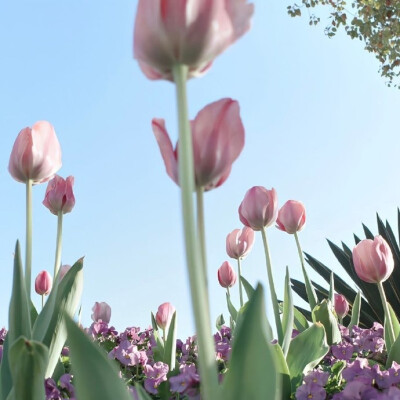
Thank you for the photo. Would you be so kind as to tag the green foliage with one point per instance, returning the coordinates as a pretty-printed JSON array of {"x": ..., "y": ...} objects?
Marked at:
[
  {"x": 376, "y": 22},
  {"x": 355, "y": 314},
  {"x": 323, "y": 313},
  {"x": 288, "y": 315}
]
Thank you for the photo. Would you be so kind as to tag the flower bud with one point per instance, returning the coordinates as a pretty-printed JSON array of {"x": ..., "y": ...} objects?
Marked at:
[
  {"x": 239, "y": 242},
  {"x": 36, "y": 154},
  {"x": 341, "y": 305},
  {"x": 291, "y": 217},
  {"x": 164, "y": 315},
  {"x": 226, "y": 275},
  {"x": 101, "y": 311},
  {"x": 59, "y": 195},
  {"x": 373, "y": 260},
  {"x": 43, "y": 283},
  {"x": 259, "y": 208}
]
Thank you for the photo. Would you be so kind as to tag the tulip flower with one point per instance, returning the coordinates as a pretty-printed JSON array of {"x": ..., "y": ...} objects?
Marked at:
[
  {"x": 341, "y": 306},
  {"x": 291, "y": 217},
  {"x": 36, "y": 154},
  {"x": 218, "y": 139},
  {"x": 226, "y": 275},
  {"x": 59, "y": 195},
  {"x": 101, "y": 311},
  {"x": 63, "y": 270},
  {"x": 43, "y": 283},
  {"x": 191, "y": 33},
  {"x": 164, "y": 315}
]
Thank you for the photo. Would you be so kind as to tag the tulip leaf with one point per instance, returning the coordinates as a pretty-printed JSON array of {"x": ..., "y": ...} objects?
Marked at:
[
  {"x": 50, "y": 327},
  {"x": 28, "y": 361},
  {"x": 395, "y": 321},
  {"x": 306, "y": 350},
  {"x": 355, "y": 312},
  {"x": 142, "y": 394},
  {"x": 288, "y": 315},
  {"x": 247, "y": 287},
  {"x": 5, "y": 372},
  {"x": 154, "y": 323},
  {"x": 323, "y": 313},
  {"x": 96, "y": 376},
  {"x": 220, "y": 322},
  {"x": 252, "y": 373},
  {"x": 231, "y": 308},
  {"x": 170, "y": 344},
  {"x": 331, "y": 296},
  {"x": 300, "y": 321},
  {"x": 283, "y": 371}
]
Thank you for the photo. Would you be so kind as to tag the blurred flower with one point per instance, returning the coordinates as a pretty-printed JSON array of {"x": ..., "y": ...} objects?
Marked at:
[
  {"x": 239, "y": 242},
  {"x": 192, "y": 33},
  {"x": 226, "y": 275},
  {"x": 259, "y": 208},
  {"x": 155, "y": 375},
  {"x": 218, "y": 139},
  {"x": 164, "y": 315},
  {"x": 43, "y": 283},
  {"x": 59, "y": 195},
  {"x": 373, "y": 260},
  {"x": 101, "y": 311},
  {"x": 291, "y": 217},
  {"x": 63, "y": 270},
  {"x": 341, "y": 305},
  {"x": 36, "y": 154}
]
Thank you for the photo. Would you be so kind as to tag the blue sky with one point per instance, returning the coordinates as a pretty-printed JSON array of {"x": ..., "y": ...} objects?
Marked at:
[{"x": 321, "y": 127}]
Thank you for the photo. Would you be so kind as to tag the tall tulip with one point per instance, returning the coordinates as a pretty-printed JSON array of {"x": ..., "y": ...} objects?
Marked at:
[
  {"x": 187, "y": 32},
  {"x": 43, "y": 284},
  {"x": 101, "y": 311},
  {"x": 164, "y": 316},
  {"x": 226, "y": 275},
  {"x": 341, "y": 306}
]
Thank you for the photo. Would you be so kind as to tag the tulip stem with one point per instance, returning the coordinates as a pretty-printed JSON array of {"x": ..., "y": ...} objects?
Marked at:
[
  {"x": 197, "y": 280},
  {"x": 311, "y": 295},
  {"x": 42, "y": 301},
  {"x": 239, "y": 260},
  {"x": 388, "y": 319},
  {"x": 57, "y": 261},
  {"x": 28, "y": 248},
  {"x": 274, "y": 298},
  {"x": 201, "y": 228}
]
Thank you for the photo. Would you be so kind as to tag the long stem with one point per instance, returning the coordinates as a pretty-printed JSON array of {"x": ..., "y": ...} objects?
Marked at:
[
  {"x": 311, "y": 295},
  {"x": 28, "y": 248},
  {"x": 57, "y": 262},
  {"x": 201, "y": 228},
  {"x": 198, "y": 290},
  {"x": 240, "y": 281},
  {"x": 388, "y": 319},
  {"x": 272, "y": 288},
  {"x": 42, "y": 301}
]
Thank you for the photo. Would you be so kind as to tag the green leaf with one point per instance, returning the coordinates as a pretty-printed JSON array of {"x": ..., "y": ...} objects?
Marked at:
[
  {"x": 50, "y": 327},
  {"x": 331, "y": 296},
  {"x": 323, "y": 313},
  {"x": 252, "y": 373},
  {"x": 220, "y": 322},
  {"x": 5, "y": 372},
  {"x": 394, "y": 352},
  {"x": 170, "y": 344},
  {"x": 28, "y": 361},
  {"x": 33, "y": 312},
  {"x": 154, "y": 323},
  {"x": 355, "y": 312},
  {"x": 142, "y": 394},
  {"x": 300, "y": 321},
  {"x": 305, "y": 352},
  {"x": 231, "y": 308},
  {"x": 247, "y": 287},
  {"x": 283, "y": 370},
  {"x": 288, "y": 315},
  {"x": 395, "y": 321},
  {"x": 96, "y": 376}
]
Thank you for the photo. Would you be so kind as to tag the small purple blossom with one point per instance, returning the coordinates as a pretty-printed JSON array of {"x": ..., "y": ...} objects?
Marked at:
[
  {"x": 155, "y": 375},
  {"x": 310, "y": 390}
]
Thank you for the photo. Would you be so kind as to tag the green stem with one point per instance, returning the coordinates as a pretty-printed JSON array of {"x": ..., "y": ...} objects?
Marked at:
[
  {"x": 311, "y": 295},
  {"x": 57, "y": 262},
  {"x": 388, "y": 319},
  {"x": 201, "y": 228},
  {"x": 274, "y": 298},
  {"x": 240, "y": 281},
  {"x": 28, "y": 249},
  {"x": 198, "y": 290},
  {"x": 42, "y": 301}
]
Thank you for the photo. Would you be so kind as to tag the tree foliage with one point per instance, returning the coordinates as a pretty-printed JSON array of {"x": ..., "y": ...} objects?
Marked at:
[{"x": 376, "y": 22}]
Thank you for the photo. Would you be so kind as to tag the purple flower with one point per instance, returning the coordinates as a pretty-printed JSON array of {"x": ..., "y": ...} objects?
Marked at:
[
  {"x": 3, "y": 333},
  {"x": 310, "y": 390},
  {"x": 343, "y": 351},
  {"x": 128, "y": 354},
  {"x": 65, "y": 383},
  {"x": 130, "y": 334},
  {"x": 187, "y": 379},
  {"x": 394, "y": 373},
  {"x": 155, "y": 375},
  {"x": 382, "y": 378},
  {"x": 51, "y": 389},
  {"x": 317, "y": 376},
  {"x": 358, "y": 371}
]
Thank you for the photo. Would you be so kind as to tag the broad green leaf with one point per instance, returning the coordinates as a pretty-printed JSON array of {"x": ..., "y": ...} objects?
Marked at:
[
  {"x": 300, "y": 321},
  {"x": 387, "y": 337},
  {"x": 252, "y": 374},
  {"x": 247, "y": 287},
  {"x": 220, "y": 322},
  {"x": 5, "y": 372},
  {"x": 19, "y": 320},
  {"x": 231, "y": 308},
  {"x": 170, "y": 344},
  {"x": 306, "y": 351},
  {"x": 323, "y": 313},
  {"x": 34, "y": 313},
  {"x": 50, "y": 327},
  {"x": 28, "y": 361},
  {"x": 96, "y": 376},
  {"x": 288, "y": 315},
  {"x": 395, "y": 321},
  {"x": 142, "y": 394},
  {"x": 283, "y": 371},
  {"x": 355, "y": 312}
]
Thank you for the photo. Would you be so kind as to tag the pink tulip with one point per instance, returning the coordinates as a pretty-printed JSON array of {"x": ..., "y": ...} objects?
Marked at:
[
  {"x": 164, "y": 315},
  {"x": 239, "y": 242},
  {"x": 189, "y": 32},
  {"x": 101, "y": 311},
  {"x": 63, "y": 270},
  {"x": 36, "y": 154},
  {"x": 218, "y": 139},
  {"x": 373, "y": 260},
  {"x": 259, "y": 208},
  {"x": 43, "y": 283},
  {"x": 226, "y": 275},
  {"x": 341, "y": 305},
  {"x": 291, "y": 217},
  {"x": 59, "y": 195}
]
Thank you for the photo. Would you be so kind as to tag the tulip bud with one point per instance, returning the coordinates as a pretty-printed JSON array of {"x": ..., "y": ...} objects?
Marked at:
[
  {"x": 59, "y": 195},
  {"x": 291, "y": 217},
  {"x": 63, "y": 270},
  {"x": 164, "y": 315},
  {"x": 239, "y": 242},
  {"x": 341, "y": 305},
  {"x": 373, "y": 260},
  {"x": 43, "y": 283},
  {"x": 36, "y": 154},
  {"x": 259, "y": 208},
  {"x": 226, "y": 275},
  {"x": 101, "y": 311}
]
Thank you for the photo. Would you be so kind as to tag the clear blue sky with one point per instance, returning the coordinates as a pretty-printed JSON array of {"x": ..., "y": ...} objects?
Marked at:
[{"x": 321, "y": 127}]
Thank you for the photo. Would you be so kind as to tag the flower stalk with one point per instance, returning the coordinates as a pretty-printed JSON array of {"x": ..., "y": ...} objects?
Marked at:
[
  {"x": 388, "y": 319},
  {"x": 239, "y": 260},
  {"x": 28, "y": 248},
  {"x": 57, "y": 262}
]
